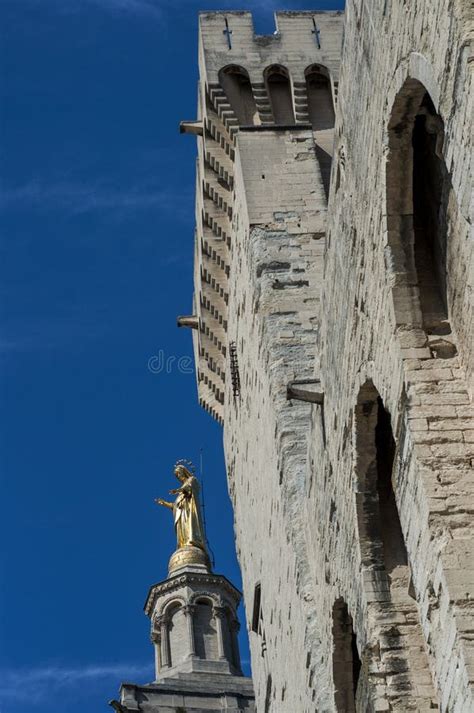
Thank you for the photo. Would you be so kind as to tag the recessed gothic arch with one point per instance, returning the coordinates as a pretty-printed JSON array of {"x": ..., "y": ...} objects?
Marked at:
[
  {"x": 322, "y": 117},
  {"x": 418, "y": 194},
  {"x": 320, "y": 102},
  {"x": 169, "y": 604},
  {"x": 205, "y": 629},
  {"x": 278, "y": 84},
  {"x": 205, "y": 599},
  {"x": 212, "y": 598},
  {"x": 235, "y": 82},
  {"x": 177, "y": 632},
  {"x": 386, "y": 573},
  {"x": 346, "y": 663},
  {"x": 382, "y": 544}
]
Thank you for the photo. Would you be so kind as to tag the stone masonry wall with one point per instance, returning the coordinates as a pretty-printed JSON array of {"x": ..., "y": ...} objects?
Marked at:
[
  {"x": 365, "y": 583},
  {"x": 275, "y": 273},
  {"x": 421, "y": 656}
]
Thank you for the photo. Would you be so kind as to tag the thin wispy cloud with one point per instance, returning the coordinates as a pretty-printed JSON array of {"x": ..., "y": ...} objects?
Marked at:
[
  {"x": 54, "y": 334},
  {"x": 81, "y": 198},
  {"x": 155, "y": 9},
  {"x": 147, "y": 8},
  {"x": 35, "y": 685}
]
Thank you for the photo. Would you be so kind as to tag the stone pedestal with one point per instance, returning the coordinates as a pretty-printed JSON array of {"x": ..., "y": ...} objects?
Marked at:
[{"x": 191, "y": 559}]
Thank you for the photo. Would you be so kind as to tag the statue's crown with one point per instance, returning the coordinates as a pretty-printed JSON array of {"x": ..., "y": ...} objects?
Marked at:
[{"x": 187, "y": 464}]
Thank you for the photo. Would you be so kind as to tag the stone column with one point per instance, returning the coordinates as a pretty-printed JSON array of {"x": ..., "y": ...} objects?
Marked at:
[
  {"x": 234, "y": 630},
  {"x": 189, "y": 611},
  {"x": 156, "y": 640},
  {"x": 219, "y": 614},
  {"x": 165, "y": 642}
]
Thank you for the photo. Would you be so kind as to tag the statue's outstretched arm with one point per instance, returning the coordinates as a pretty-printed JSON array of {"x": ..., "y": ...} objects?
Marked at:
[{"x": 165, "y": 503}]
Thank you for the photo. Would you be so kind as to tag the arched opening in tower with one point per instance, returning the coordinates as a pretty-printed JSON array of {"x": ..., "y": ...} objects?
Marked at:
[
  {"x": 418, "y": 193},
  {"x": 394, "y": 550},
  {"x": 280, "y": 95},
  {"x": 235, "y": 82},
  {"x": 346, "y": 663},
  {"x": 322, "y": 118},
  {"x": 177, "y": 633},
  {"x": 231, "y": 644},
  {"x": 205, "y": 633},
  {"x": 320, "y": 105},
  {"x": 381, "y": 537},
  {"x": 429, "y": 216}
]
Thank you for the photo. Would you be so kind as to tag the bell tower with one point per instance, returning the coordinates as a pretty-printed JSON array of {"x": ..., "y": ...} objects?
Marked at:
[
  {"x": 193, "y": 616},
  {"x": 194, "y": 627}
]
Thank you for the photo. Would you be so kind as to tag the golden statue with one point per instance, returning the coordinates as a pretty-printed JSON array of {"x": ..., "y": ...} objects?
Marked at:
[{"x": 186, "y": 510}]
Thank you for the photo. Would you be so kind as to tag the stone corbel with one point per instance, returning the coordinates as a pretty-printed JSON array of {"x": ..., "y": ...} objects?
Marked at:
[
  {"x": 308, "y": 390},
  {"x": 192, "y": 127},
  {"x": 190, "y": 321},
  {"x": 118, "y": 707}
]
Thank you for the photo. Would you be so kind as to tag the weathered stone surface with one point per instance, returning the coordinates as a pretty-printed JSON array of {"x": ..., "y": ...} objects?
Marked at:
[
  {"x": 192, "y": 693},
  {"x": 353, "y": 516}
]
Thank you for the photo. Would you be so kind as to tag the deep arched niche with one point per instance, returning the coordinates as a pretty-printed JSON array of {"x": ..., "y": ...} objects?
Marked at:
[
  {"x": 322, "y": 118},
  {"x": 236, "y": 84},
  {"x": 346, "y": 663},
  {"x": 320, "y": 104},
  {"x": 417, "y": 194},
  {"x": 278, "y": 85},
  {"x": 381, "y": 538}
]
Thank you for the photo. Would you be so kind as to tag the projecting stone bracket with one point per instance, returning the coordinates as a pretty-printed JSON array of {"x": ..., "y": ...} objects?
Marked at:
[
  {"x": 190, "y": 321},
  {"x": 305, "y": 390},
  {"x": 191, "y": 127},
  {"x": 118, "y": 707}
]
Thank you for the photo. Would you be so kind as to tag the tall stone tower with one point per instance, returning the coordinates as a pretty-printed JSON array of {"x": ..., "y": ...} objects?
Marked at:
[{"x": 194, "y": 627}]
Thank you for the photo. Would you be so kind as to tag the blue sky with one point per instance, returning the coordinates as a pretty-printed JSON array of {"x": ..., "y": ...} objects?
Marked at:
[{"x": 96, "y": 248}]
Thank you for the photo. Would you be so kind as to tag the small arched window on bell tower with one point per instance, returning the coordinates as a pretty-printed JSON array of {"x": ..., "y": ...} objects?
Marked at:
[{"x": 205, "y": 631}]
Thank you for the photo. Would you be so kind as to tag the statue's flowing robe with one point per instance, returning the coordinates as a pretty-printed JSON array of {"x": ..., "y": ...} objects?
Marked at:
[{"x": 187, "y": 515}]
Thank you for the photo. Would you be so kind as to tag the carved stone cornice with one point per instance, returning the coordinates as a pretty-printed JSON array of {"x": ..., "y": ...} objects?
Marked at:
[{"x": 195, "y": 580}]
